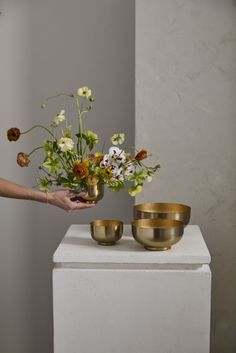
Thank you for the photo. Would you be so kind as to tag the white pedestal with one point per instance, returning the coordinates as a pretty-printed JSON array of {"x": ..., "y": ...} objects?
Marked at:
[{"x": 124, "y": 299}]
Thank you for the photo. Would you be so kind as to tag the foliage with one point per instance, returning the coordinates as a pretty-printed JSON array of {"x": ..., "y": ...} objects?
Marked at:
[{"x": 70, "y": 160}]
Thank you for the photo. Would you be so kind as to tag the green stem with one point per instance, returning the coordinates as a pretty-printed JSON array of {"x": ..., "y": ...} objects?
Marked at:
[
  {"x": 42, "y": 127},
  {"x": 81, "y": 138},
  {"x": 35, "y": 149},
  {"x": 63, "y": 164},
  {"x": 58, "y": 95},
  {"x": 80, "y": 130}
]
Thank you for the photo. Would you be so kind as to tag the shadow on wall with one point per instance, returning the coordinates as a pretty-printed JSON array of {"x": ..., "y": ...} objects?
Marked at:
[{"x": 80, "y": 43}]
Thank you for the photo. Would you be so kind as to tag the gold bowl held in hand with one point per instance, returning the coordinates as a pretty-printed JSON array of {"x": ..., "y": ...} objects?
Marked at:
[
  {"x": 106, "y": 232},
  {"x": 157, "y": 234},
  {"x": 172, "y": 211},
  {"x": 93, "y": 193}
]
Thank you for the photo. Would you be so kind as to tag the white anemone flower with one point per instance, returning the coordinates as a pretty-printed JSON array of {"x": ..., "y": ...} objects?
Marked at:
[
  {"x": 120, "y": 175},
  {"x": 117, "y": 154},
  {"x": 130, "y": 169},
  {"x": 105, "y": 162},
  {"x": 59, "y": 117},
  {"x": 114, "y": 151},
  {"x": 114, "y": 168},
  {"x": 65, "y": 144},
  {"x": 118, "y": 139},
  {"x": 121, "y": 158},
  {"x": 84, "y": 92}
]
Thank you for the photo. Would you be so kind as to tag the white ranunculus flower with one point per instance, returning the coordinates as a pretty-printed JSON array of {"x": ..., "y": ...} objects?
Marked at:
[
  {"x": 118, "y": 139},
  {"x": 59, "y": 118},
  {"x": 65, "y": 144},
  {"x": 84, "y": 92}
]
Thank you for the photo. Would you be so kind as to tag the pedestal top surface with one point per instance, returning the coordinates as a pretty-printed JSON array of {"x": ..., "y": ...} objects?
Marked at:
[{"x": 77, "y": 247}]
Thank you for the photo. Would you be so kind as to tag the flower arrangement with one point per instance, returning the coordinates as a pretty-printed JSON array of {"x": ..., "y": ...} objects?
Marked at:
[{"x": 70, "y": 160}]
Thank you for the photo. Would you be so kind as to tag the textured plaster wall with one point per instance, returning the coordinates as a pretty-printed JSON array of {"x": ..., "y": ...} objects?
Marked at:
[
  {"x": 186, "y": 116},
  {"x": 49, "y": 46}
]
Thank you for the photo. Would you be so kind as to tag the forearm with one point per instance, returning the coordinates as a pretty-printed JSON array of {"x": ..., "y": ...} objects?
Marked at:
[{"x": 12, "y": 190}]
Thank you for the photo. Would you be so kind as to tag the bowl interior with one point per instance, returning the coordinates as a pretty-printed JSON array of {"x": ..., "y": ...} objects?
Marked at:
[
  {"x": 106, "y": 223},
  {"x": 157, "y": 223}
]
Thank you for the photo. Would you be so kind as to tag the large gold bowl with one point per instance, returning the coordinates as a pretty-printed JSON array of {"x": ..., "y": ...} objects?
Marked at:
[
  {"x": 157, "y": 234},
  {"x": 174, "y": 211},
  {"x": 106, "y": 232}
]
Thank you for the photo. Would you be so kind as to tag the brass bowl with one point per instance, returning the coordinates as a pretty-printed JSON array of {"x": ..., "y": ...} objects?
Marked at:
[
  {"x": 94, "y": 193},
  {"x": 157, "y": 234},
  {"x": 106, "y": 232},
  {"x": 173, "y": 211}
]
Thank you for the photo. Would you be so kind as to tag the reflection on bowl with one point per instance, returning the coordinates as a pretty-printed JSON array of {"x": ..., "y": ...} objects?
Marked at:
[
  {"x": 157, "y": 234},
  {"x": 106, "y": 232},
  {"x": 172, "y": 211}
]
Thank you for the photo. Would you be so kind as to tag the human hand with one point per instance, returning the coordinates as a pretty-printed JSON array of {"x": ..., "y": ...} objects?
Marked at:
[{"x": 62, "y": 199}]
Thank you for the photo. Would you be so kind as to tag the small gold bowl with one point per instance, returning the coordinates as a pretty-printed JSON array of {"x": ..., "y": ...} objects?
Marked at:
[
  {"x": 173, "y": 211},
  {"x": 157, "y": 234},
  {"x": 106, "y": 232}
]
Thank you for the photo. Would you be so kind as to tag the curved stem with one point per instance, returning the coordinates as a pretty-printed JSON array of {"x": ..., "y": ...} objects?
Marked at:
[
  {"x": 35, "y": 149},
  {"x": 58, "y": 95},
  {"x": 42, "y": 127}
]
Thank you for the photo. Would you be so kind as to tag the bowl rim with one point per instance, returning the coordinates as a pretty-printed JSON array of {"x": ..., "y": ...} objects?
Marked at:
[
  {"x": 164, "y": 207},
  {"x": 106, "y": 222}
]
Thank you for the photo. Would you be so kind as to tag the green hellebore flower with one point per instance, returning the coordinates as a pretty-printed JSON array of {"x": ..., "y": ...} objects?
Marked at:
[
  {"x": 136, "y": 189},
  {"x": 118, "y": 139}
]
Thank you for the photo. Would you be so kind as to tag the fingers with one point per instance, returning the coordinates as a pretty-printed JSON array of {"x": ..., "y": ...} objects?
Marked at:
[
  {"x": 72, "y": 193},
  {"x": 80, "y": 205}
]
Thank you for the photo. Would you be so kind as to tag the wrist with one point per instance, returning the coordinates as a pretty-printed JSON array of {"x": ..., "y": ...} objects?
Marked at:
[{"x": 48, "y": 197}]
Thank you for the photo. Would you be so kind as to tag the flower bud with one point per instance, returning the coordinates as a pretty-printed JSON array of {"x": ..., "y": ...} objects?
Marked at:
[
  {"x": 141, "y": 155},
  {"x": 13, "y": 134},
  {"x": 22, "y": 159}
]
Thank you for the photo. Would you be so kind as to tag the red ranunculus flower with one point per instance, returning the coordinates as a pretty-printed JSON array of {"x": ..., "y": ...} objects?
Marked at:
[
  {"x": 13, "y": 134},
  {"x": 22, "y": 159},
  {"x": 141, "y": 155}
]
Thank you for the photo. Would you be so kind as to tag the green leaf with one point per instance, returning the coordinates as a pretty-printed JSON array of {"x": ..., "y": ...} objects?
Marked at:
[{"x": 52, "y": 164}]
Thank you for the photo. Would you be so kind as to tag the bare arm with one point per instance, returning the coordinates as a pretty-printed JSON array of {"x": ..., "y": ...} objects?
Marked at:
[{"x": 61, "y": 198}]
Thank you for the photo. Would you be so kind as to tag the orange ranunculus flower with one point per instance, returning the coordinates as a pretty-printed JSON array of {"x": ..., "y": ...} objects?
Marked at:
[
  {"x": 141, "y": 155},
  {"x": 80, "y": 170},
  {"x": 13, "y": 134},
  {"x": 22, "y": 159}
]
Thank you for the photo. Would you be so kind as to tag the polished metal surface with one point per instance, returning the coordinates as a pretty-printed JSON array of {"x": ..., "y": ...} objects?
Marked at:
[
  {"x": 172, "y": 211},
  {"x": 94, "y": 193},
  {"x": 157, "y": 234},
  {"x": 106, "y": 232}
]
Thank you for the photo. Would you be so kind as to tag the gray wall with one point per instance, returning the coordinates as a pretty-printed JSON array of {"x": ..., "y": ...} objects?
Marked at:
[
  {"x": 186, "y": 116},
  {"x": 50, "y": 46}
]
